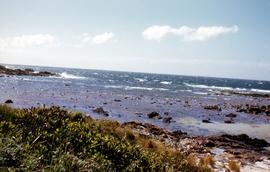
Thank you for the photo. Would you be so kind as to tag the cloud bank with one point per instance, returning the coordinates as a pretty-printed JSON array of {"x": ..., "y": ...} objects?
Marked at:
[
  {"x": 202, "y": 33},
  {"x": 27, "y": 41},
  {"x": 97, "y": 39}
]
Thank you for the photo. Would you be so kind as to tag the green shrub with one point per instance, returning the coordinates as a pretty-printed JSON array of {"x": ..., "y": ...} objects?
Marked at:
[{"x": 54, "y": 139}]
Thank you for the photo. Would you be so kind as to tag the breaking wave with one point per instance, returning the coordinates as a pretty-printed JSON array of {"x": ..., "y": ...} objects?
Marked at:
[
  {"x": 70, "y": 76},
  {"x": 226, "y": 88}
]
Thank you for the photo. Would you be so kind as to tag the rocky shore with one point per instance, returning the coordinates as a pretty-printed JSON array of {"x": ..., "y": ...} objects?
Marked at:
[
  {"x": 222, "y": 148},
  {"x": 27, "y": 72},
  {"x": 222, "y": 129}
]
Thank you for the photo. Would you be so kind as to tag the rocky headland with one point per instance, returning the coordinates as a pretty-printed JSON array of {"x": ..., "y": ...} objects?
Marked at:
[{"x": 26, "y": 72}]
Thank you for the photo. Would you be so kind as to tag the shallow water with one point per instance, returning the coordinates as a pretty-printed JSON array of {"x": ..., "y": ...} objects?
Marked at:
[
  {"x": 181, "y": 97},
  {"x": 260, "y": 131}
]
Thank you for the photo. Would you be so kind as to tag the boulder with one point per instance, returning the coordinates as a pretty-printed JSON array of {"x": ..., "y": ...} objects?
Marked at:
[
  {"x": 153, "y": 115},
  {"x": 100, "y": 110},
  {"x": 8, "y": 101},
  {"x": 206, "y": 120},
  {"x": 231, "y": 115},
  {"x": 167, "y": 119}
]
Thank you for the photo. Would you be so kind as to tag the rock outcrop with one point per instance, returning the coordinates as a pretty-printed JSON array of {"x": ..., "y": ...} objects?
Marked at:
[{"x": 27, "y": 72}]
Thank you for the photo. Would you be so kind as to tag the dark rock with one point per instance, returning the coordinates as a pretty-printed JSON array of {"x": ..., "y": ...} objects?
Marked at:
[
  {"x": 228, "y": 121},
  {"x": 257, "y": 95},
  {"x": 242, "y": 110},
  {"x": 167, "y": 120},
  {"x": 153, "y": 115},
  {"x": 206, "y": 121},
  {"x": 100, "y": 110},
  {"x": 117, "y": 100},
  {"x": 178, "y": 133},
  {"x": 254, "y": 110},
  {"x": 159, "y": 117},
  {"x": 214, "y": 107},
  {"x": 247, "y": 140},
  {"x": 210, "y": 144},
  {"x": 8, "y": 101},
  {"x": 231, "y": 115},
  {"x": 27, "y": 72},
  {"x": 263, "y": 108}
]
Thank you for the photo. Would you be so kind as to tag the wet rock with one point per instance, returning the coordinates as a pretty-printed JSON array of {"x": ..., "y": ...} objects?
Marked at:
[
  {"x": 159, "y": 117},
  {"x": 228, "y": 121},
  {"x": 209, "y": 144},
  {"x": 100, "y": 110},
  {"x": 178, "y": 133},
  {"x": 166, "y": 113},
  {"x": 155, "y": 130},
  {"x": 256, "y": 95},
  {"x": 29, "y": 72},
  {"x": 254, "y": 110},
  {"x": 243, "y": 138},
  {"x": 167, "y": 119},
  {"x": 263, "y": 108},
  {"x": 231, "y": 115},
  {"x": 8, "y": 101},
  {"x": 214, "y": 107},
  {"x": 206, "y": 121},
  {"x": 153, "y": 115},
  {"x": 242, "y": 110}
]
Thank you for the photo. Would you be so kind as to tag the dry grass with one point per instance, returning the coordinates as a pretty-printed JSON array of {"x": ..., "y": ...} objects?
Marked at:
[
  {"x": 192, "y": 159},
  {"x": 208, "y": 161},
  {"x": 234, "y": 166}
]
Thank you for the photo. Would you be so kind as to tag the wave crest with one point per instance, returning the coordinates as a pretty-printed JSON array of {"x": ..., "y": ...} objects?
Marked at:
[{"x": 70, "y": 76}]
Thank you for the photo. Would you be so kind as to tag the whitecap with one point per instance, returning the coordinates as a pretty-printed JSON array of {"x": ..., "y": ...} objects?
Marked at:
[
  {"x": 138, "y": 88},
  {"x": 140, "y": 79},
  {"x": 113, "y": 86},
  {"x": 208, "y": 87},
  {"x": 70, "y": 76},
  {"x": 145, "y": 88},
  {"x": 135, "y": 88},
  {"x": 260, "y": 91},
  {"x": 166, "y": 82},
  {"x": 200, "y": 93}
]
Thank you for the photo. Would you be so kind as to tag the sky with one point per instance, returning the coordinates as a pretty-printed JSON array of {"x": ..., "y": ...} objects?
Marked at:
[{"x": 218, "y": 38}]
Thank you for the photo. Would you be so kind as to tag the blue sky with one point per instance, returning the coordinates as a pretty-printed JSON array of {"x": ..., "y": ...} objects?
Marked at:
[{"x": 204, "y": 37}]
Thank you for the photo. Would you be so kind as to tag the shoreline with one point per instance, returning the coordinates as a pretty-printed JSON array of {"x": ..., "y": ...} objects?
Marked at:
[
  {"x": 224, "y": 125},
  {"x": 248, "y": 153}
]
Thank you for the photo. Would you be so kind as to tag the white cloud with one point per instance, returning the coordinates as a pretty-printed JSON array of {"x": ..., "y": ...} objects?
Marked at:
[
  {"x": 201, "y": 33},
  {"x": 97, "y": 39},
  {"x": 102, "y": 38},
  {"x": 27, "y": 41}
]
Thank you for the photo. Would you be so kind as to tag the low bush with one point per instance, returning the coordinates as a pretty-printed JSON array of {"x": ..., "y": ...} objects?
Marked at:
[{"x": 54, "y": 139}]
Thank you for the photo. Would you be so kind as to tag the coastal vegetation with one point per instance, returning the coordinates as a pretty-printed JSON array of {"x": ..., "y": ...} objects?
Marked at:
[{"x": 53, "y": 139}]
